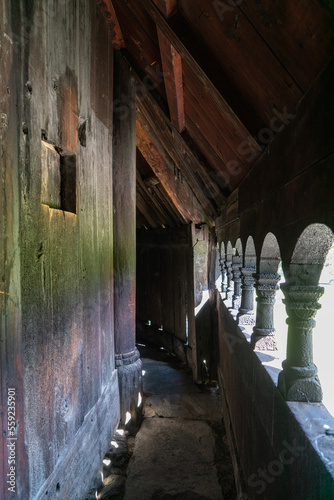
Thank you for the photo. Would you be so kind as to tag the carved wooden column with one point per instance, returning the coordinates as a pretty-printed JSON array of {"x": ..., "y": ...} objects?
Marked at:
[
  {"x": 298, "y": 381},
  {"x": 246, "y": 313},
  {"x": 124, "y": 223},
  {"x": 263, "y": 336}
]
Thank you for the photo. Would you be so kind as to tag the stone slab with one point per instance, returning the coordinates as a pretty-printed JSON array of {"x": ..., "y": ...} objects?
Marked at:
[
  {"x": 173, "y": 458},
  {"x": 204, "y": 406},
  {"x": 164, "y": 379}
]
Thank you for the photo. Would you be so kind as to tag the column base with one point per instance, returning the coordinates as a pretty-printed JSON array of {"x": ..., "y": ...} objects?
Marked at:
[
  {"x": 264, "y": 341},
  {"x": 129, "y": 368},
  {"x": 246, "y": 318},
  {"x": 228, "y": 299},
  {"x": 300, "y": 384}
]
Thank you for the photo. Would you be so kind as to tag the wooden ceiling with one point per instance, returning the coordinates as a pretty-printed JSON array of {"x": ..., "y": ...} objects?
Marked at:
[{"x": 216, "y": 80}]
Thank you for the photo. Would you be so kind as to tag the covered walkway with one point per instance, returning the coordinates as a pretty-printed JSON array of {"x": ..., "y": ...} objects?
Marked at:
[{"x": 180, "y": 450}]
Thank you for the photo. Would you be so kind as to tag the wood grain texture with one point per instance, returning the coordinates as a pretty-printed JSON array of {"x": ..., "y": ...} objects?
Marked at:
[
  {"x": 179, "y": 192},
  {"x": 239, "y": 49},
  {"x": 299, "y": 33},
  {"x": 172, "y": 69},
  {"x": 193, "y": 169}
]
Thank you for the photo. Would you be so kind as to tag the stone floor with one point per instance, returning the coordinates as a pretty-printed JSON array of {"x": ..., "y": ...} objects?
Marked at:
[{"x": 180, "y": 450}]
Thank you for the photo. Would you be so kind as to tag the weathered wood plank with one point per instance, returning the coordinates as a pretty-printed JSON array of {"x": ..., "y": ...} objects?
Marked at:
[
  {"x": 310, "y": 133},
  {"x": 139, "y": 32},
  {"x": 146, "y": 210},
  {"x": 212, "y": 122},
  {"x": 218, "y": 76},
  {"x": 179, "y": 294},
  {"x": 178, "y": 191},
  {"x": 240, "y": 50},
  {"x": 177, "y": 148},
  {"x": 232, "y": 164},
  {"x": 185, "y": 162},
  {"x": 172, "y": 69},
  {"x": 156, "y": 208},
  {"x": 299, "y": 33},
  {"x": 234, "y": 123},
  {"x": 109, "y": 13}
]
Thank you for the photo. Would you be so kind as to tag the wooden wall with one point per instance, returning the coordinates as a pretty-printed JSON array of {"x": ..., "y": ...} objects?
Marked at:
[
  {"x": 165, "y": 285},
  {"x": 57, "y": 324}
]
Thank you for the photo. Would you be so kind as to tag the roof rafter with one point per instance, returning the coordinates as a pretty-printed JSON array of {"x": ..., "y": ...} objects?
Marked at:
[
  {"x": 206, "y": 189},
  {"x": 172, "y": 72},
  {"x": 233, "y": 123},
  {"x": 177, "y": 189}
]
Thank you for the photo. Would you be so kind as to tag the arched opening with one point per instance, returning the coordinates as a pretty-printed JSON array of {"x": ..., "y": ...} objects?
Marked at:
[
  {"x": 323, "y": 340},
  {"x": 270, "y": 331},
  {"x": 246, "y": 315},
  {"x": 229, "y": 282},
  {"x": 299, "y": 380},
  {"x": 217, "y": 269}
]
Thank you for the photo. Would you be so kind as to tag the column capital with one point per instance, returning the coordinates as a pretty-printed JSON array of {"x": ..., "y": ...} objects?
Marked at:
[
  {"x": 302, "y": 302},
  {"x": 267, "y": 281},
  {"x": 247, "y": 274}
]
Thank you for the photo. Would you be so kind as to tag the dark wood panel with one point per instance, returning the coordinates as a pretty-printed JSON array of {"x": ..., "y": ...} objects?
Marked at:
[
  {"x": 213, "y": 137},
  {"x": 167, "y": 292},
  {"x": 248, "y": 61},
  {"x": 218, "y": 167},
  {"x": 212, "y": 120},
  {"x": 216, "y": 74},
  {"x": 155, "y": 286},
  {"x": 299, "y": 33},
  {"x": 138, "y": 41},
  {"x": 180, "y": 294}
]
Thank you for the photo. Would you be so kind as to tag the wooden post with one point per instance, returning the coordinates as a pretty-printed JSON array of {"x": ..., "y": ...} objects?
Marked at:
[{"x": 124, "y": 227}]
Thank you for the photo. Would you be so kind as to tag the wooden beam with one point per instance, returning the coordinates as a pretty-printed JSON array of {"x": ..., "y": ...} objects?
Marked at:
[
  {"x": 172, "y": 71},
  {"x": 166, "y": 7},
  {"x": 232, "y": 121},
  {"x": 154, "y": 196},
  {"x": 177, "y": 190},
  {"x": 109, "y": 13},
  {"x": 194, "y": 171}
]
